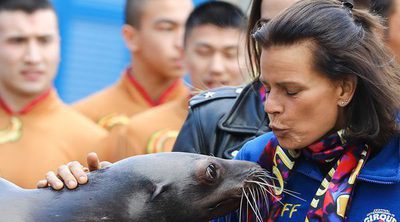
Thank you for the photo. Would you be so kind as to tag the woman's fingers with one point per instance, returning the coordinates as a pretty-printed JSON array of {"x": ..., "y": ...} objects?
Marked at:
[{"x": 54, "y": 181}]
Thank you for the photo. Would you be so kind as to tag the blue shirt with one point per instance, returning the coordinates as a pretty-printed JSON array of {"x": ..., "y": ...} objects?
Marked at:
[{"x": 376, "y": 194}]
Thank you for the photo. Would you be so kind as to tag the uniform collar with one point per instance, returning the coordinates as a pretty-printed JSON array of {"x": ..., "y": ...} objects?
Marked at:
[
  {"x": 37, "y": 102},
  {"x": 134, "y": 88}
]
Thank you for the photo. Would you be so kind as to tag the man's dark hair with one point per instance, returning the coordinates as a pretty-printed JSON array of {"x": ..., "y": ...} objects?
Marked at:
[
  {"x": 133, "y": 12},
  {"x": 217, "y": 13},
  {"x": 362, "y": 4},
  {"x": 28, "y": 6},
  {"x": 345, "y": 43},
  {"x": 383, "y": 8}
]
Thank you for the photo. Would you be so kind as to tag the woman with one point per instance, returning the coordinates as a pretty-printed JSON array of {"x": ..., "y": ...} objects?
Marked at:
[
  {"x": 332, "y": 100},
  {"x": 211, "y": 130}
]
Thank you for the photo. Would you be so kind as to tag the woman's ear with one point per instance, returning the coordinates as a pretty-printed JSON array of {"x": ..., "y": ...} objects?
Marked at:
[
  {"x": 131, "y": 38},
  {"x": 347, "y": 88}
]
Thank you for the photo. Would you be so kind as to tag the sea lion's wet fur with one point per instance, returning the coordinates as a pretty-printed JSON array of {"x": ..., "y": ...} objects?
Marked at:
[{"x": 156, "y": 187}]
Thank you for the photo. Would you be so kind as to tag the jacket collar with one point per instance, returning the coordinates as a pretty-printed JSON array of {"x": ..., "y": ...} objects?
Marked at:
[
  {"x": 249, "y": 103},
  {"x": 384, "y": 167}
]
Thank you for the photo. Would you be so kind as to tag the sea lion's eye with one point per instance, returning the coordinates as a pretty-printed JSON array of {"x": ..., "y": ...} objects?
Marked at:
[{"x": 211, "y": 171}]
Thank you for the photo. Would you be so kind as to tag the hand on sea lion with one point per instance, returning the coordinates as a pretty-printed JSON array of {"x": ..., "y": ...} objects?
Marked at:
[{"x": 72, "y": 173}]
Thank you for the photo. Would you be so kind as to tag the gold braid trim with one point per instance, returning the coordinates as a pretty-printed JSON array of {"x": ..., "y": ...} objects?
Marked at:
[
  {"x": 111, "y": 120},
  {"x": 13, "y": 132}
]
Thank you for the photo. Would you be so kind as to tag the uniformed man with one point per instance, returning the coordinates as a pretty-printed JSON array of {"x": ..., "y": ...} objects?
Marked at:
[
  {"x": 153, "y": 33},
  {"x": 212, "y": 55},
  {"x": 38, "y": 131}
]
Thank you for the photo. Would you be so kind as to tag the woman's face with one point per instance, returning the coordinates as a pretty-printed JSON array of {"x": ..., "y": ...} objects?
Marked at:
[{"x": 302, "y": 104}]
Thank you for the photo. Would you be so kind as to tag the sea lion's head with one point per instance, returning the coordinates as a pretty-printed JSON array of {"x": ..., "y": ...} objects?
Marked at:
[{"x": 189, "y": 187}]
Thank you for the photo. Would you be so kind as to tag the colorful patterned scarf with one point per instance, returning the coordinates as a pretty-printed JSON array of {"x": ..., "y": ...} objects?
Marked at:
[{"x": 334, "y": 194}]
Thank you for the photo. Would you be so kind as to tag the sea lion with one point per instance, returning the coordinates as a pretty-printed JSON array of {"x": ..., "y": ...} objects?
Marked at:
[{"x": 170, "y": 187}]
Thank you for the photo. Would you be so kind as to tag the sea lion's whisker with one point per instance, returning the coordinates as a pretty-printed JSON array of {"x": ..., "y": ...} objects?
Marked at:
[
  {"x": 247, "y": 202},
  {"x": 264, "y": 186},
  {"x": 267, "y": 191},
  {"x": 276, "y": 197},
  {"x": 267, "y": 174},
  {"x": 264, "y": 195},
  {"x": 261, "y": 178},
  {"x": 258, "y": 190},
  {"x": 251, "y": 205},
  {"x": 289, "y": 192},
  {"x": 264, "y": 201},
  {"x": 293, "y": 195},
  {"x": 241, "y": 205},
  {"x": 265, "y": 183},
  {"x": 258, "y": 201},
  {"x": 247, "y": 206},
  {"x": 262, "y": 183},
  {"x": 271, "y": 193},
  {"x": 263, "y": 173},
  {"x": 254, "y": 202}
]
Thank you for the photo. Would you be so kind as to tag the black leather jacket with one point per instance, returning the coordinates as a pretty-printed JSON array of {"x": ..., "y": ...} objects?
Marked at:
[{"x": 220, "y": 121}]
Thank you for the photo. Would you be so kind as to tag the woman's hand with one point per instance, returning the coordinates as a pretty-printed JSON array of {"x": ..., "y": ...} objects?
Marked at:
[{"x": 72, "y": 173}]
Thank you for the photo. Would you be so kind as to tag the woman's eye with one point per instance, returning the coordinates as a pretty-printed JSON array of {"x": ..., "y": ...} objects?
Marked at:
[
  {"x": 211, "y": 171},
  {"x": 291, "y": 93}
]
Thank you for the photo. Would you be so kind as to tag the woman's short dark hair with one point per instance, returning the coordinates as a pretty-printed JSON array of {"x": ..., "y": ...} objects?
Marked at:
[{"x": 345, "y": 42}]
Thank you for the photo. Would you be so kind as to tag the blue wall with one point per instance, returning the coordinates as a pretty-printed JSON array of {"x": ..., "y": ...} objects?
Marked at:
[{"x": 93, "y": 53}]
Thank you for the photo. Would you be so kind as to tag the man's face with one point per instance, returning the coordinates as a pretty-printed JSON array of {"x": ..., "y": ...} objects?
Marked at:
[
  {"x": 393, "y": 39},
  {"x": 160, "y": 36},
  {"x": 212, "y": 56},
  {"x": 29, "y": 51}
]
